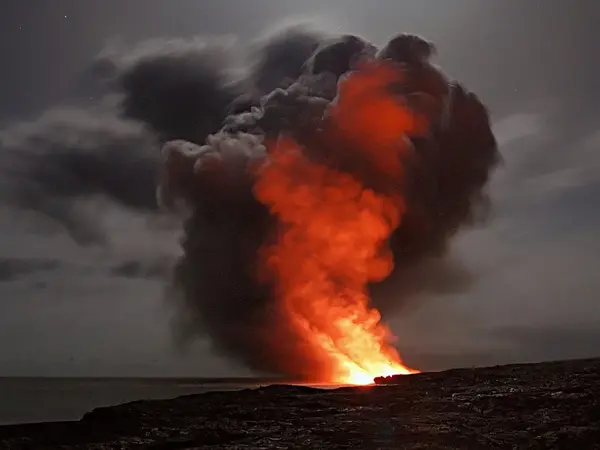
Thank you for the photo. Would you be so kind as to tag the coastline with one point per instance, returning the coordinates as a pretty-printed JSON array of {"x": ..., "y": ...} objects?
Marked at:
[{"x": 542, "y": 405}]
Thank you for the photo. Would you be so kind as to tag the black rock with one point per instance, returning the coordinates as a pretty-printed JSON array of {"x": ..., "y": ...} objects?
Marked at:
[{"x": 546, "y": 405}]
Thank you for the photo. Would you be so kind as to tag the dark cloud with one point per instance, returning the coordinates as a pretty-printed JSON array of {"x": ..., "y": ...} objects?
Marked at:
[
  {"x": 215, "y": 283},
  {"x": 280, "y": 58},
  {"x": 68, "y": 154},
  {"x": 185, "y": 89},
  {"x": 546, "y": 191},
  {"x": 15, "y": 268},
  {"x": 335, "y": 56},
  {"x": 429, "y": 277},
  {"x": 180, "y": 88},
  {"x": 147, "y": 93}
]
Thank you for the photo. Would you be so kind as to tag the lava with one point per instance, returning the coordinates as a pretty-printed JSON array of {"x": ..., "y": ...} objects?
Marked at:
[{"x": 333, "y": 228}]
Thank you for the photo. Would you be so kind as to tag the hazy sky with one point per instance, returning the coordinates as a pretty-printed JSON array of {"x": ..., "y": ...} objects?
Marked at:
[{"x": 67, "y": 310}]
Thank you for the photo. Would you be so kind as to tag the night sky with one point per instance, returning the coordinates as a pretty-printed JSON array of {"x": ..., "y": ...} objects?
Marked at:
[{"x": 72, "y": 310}]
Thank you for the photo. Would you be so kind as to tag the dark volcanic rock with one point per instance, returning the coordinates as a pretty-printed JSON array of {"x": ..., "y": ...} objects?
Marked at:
[{"x": 548, "y": 405}]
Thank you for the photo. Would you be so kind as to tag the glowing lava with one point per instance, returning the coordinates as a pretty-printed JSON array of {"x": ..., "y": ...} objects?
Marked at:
[{"x": 333, "y": 230}]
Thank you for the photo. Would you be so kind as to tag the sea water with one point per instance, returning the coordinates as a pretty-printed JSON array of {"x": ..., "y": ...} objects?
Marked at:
[{"x": 25, "y": 400}]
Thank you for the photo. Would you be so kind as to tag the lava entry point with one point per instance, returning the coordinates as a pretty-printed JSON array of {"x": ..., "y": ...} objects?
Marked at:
[{"x": 392, "y": 379}]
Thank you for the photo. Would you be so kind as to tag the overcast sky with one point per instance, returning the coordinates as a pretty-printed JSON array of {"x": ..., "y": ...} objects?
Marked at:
[{"x": 67, "y": 310}]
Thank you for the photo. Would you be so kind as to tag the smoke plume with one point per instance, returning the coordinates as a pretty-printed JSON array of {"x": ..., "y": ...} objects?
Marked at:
[
  {"x": 217, "y": 119},
  {"x": 442, "y": 184}
]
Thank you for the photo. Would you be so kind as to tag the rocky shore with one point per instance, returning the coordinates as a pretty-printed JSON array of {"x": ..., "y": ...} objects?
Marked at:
[{"x": 546, "y": 405}]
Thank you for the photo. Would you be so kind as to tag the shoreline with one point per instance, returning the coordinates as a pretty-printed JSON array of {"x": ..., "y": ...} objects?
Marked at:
[{"x": 545, "y": 405}]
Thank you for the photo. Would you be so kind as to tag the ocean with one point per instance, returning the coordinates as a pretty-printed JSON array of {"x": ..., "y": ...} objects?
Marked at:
[{"x": 26, "y": 400}]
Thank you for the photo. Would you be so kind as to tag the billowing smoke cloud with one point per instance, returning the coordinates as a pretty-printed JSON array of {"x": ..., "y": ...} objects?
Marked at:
[
  {"x": 281, "y": 58},
  {"x": 47, "y": 165},
  {"x": 216, "y": 282},
  {"x": 180, "y": 89},
  {"x": 146, "y": 95},
  {"x": 214, "y": 112}
]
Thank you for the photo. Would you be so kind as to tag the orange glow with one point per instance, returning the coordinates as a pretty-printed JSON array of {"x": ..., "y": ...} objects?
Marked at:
[{"x": 333, "y": 231}]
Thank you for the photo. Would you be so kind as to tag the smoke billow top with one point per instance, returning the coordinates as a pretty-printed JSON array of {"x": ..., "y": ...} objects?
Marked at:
[{"x": 311, "y": 145}]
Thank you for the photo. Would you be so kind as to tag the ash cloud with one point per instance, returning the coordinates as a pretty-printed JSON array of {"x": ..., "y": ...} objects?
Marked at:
[
  {"x": 215, "y": 282},
  {"x": 146, "y": 94},
  {"x": 180, "y": 88},
  {"x": 67, "y": 154},
  {"x": 213, "y": 112},
  {"x": 280, "y": 59}
]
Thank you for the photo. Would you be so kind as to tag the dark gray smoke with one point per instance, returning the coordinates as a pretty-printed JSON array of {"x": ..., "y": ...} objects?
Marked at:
[
  {"x": 47, "y": 165},
  {"x": 147, "y": 94},
  {"x": 180, "y": 89},
  {"x": 215, "y": 281},
  {"x": 217, "y": 112},
  {"x": 280, "y": 60}
]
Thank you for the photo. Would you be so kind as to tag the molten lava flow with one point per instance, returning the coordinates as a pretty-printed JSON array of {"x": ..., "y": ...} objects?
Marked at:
[{"x": 333, "y": 230}]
